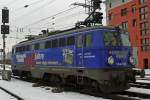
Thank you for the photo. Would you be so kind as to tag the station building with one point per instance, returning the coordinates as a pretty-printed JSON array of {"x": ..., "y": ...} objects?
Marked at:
[{"x": 134, "y": 16}]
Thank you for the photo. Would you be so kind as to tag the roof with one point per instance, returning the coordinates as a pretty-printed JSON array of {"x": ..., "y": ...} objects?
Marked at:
[{"x": 66, "y": 32}]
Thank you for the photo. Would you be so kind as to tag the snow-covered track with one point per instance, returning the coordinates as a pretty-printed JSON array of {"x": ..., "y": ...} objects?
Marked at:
[
  {"x": 114, "y": 96},
  {"x": 12, "y": 94},
  {"x": 127, "y": 95},
  {"x": 141, "y": 85},
  {"x": 148, "y": 79},
  {"x": 136, "y": 94}
]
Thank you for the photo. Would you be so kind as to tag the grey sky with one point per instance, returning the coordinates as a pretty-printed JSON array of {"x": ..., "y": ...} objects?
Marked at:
[{"x": 21, "y": 18}]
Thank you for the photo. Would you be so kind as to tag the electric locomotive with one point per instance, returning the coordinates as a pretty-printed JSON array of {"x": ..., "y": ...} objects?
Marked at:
[{"x": 95, "y": 57}]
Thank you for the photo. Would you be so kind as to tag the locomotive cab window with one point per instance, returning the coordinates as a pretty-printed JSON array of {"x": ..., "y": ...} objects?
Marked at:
[
  {"x": 54, "y": 43},
  {"x": 13, "y": 51},
  {"x": 24, "y": 48},
  {"x": 36, "y": 46},
  {"x": 79, "y": 41},
  {"x": 112, "y": 39},
  {"x": 88, "y": 40},
  {"x": 62, "y": 42},
  {"x": 20, "y": 49},
  {"x": 48, "y": 44},
  {"x": 27, "y": 48},
  {"x": 17, "y": 49},
  {"x": 125, "y": 39},
  {"x": 71, "y": 40}
]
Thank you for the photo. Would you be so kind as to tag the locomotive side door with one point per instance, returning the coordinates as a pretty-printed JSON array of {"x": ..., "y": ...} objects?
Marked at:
[{"x": 80, "y": 50}]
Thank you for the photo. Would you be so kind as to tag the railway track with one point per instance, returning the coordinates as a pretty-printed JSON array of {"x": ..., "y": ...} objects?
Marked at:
[
  {"x": 126, "y": 95},
  {"x": 136, "y": 94},
  {"x": 148, "y": 79},
  {"x": 141, "y": 85},
  {"x": 111, "y": 96},
  {"x": 12, "y": 94}
]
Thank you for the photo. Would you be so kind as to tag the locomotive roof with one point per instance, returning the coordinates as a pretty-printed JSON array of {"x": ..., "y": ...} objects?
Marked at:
[{"x": 65, "y": 33}]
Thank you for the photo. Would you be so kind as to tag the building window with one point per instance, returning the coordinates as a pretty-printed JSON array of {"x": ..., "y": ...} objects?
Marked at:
[
  {"x": 142, "y": 1},
  {"x": 110, "y": 16},
  {"x": 143, "y": 13},
  {"x": 144, "y": 28},
  {"x": 133, "y": 8},
  {"x": 134, "y": 23},
  {"x": 124, "y": 12},
  {"x": 145, "y": 44},
  {"x": 110, "y": 5},
  {"x": 124, "y": 0},
  {"x": 124, "y": 25},
  {"x": 145, "y": 41},
  {"x": 146, "y": 48}
]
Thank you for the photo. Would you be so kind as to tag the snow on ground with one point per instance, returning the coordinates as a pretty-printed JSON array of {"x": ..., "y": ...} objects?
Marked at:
[
  {"x": 146, "y": 78},
  {"x": 5, "y": 96},
  {"x": 26, "y": 91},
  {"x": 147, "y": 71},
  {"x": 139, "y": 90},
  {"x": 143, "y": 81}
]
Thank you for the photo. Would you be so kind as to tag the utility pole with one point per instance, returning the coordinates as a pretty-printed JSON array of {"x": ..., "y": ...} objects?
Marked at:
[
  {"x": 4, "y": 54},
  {"x": 6, "y": 75}
]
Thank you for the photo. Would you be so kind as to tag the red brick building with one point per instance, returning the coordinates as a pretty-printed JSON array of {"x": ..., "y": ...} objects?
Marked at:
[{"x": 133, "y": 15}]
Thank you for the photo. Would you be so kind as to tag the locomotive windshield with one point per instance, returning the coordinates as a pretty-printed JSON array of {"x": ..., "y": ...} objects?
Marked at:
[
  {"x": 125, "y": 39},
  {"x": 114, "y": 38}
]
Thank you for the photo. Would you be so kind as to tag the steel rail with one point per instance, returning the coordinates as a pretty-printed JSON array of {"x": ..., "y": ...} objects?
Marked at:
[{"x": 12, "y": 94}]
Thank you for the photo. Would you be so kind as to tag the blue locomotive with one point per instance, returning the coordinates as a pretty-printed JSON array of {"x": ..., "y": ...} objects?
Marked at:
[{"x": 95, "y": 57}]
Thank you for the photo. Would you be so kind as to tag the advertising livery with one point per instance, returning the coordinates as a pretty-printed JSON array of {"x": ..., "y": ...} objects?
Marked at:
[{"x": 98, "y": 54}]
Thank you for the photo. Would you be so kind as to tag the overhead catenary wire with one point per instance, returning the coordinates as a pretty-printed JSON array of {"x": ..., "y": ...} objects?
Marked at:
[
  {"x": 11, "y": 2},
  {"x": 103, "y": 17},
  {"x": 16, "y": 38},
  {"x": 27, "y": 5},
  {"x": 34, "y": 10},
  {"x": 61, "y": 19},
  {"x": 43, "y": 19},
  {"x": 117, "y": 14}
]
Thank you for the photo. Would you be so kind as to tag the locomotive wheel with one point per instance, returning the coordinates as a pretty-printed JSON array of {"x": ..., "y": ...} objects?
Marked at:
[
  {"x": 21, "y": 75},
  {"x": 95, "y": 86},
  {"x": 52, "y": 79},
  {"x": 25, "y": 75},
  {"x": 28, "y": 76},
  {"x": 46, "y": 78},
  {"x": 56, "y": 80}
]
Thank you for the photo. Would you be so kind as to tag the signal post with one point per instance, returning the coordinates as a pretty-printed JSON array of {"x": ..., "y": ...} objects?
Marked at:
[{"x": 6, "y": 74}]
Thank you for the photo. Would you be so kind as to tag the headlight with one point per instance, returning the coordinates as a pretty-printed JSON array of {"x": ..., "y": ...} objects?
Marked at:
[
  {"x": 111, "y": 60},
  {"x": 132, "y": 60}
]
